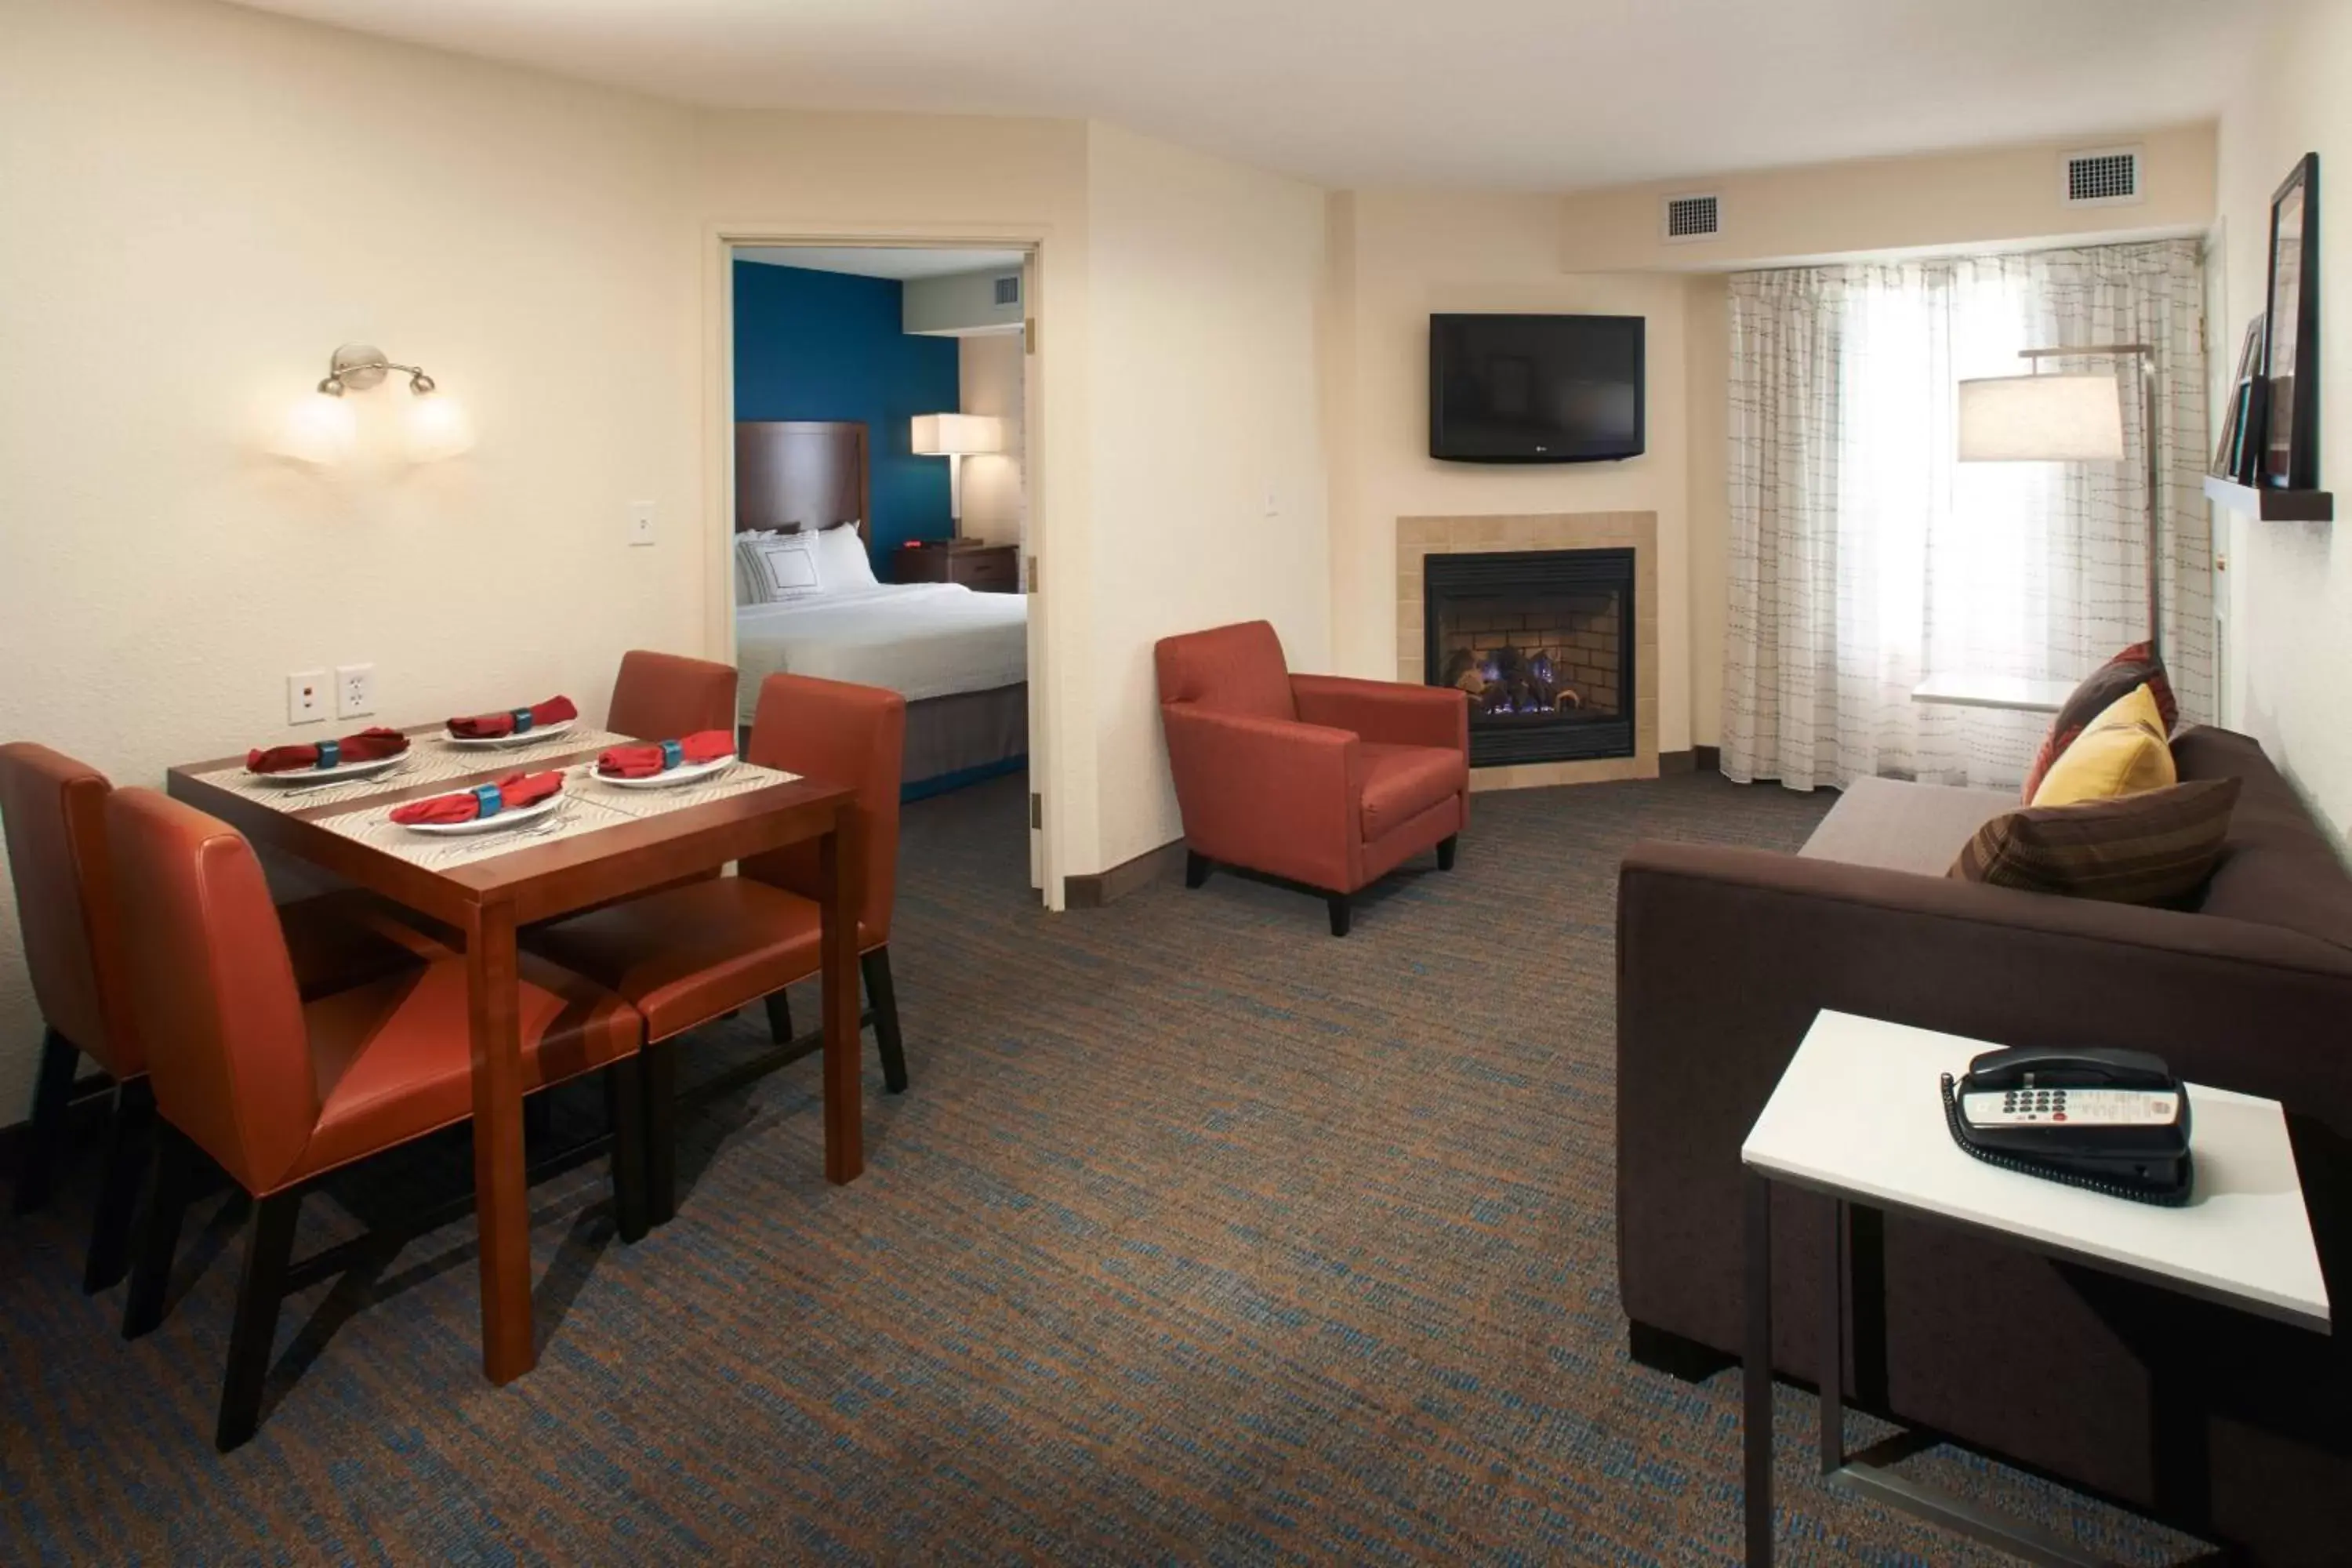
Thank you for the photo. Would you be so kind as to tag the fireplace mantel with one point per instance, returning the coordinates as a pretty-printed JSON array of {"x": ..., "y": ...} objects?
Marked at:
[{"x": 1420, "y": 537}]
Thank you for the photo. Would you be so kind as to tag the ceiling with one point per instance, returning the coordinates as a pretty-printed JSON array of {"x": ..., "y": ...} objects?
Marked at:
[
  {"x": 1536, "y": 94},
  {"x": 878, "y": 261}
]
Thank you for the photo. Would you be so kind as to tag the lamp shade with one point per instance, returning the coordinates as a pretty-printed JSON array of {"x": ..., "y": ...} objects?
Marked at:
[
  {"x": 437, "y": 428},
  {"x": 2042, "y": 418},
  {"x": 318, "y": 429},
  {"x": 956, "y": 435}
]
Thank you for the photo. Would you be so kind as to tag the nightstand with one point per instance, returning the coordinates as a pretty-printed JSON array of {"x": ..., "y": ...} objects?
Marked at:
[{"x": 982, "y": 567}]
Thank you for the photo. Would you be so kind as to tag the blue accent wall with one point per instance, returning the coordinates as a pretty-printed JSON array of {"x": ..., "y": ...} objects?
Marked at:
[{"x": 828, "y": 345}]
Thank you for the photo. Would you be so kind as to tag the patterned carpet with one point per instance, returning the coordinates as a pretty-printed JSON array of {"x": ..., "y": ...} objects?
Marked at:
[{"x": 1201, "y": 1237}]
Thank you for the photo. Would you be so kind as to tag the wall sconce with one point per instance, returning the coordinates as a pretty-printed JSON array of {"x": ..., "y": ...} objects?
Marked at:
[
  {"x": 955, "y": 437},
  {"x": 323, "y": 427}
]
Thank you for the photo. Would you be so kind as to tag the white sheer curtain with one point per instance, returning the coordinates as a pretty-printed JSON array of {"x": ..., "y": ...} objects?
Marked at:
[{"x": 1864, "y": 557}]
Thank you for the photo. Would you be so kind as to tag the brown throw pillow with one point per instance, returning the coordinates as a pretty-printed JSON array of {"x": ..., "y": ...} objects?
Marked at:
[
  {"x": 2145, "y": 848},
  {"x": 2136, "y": 665}
]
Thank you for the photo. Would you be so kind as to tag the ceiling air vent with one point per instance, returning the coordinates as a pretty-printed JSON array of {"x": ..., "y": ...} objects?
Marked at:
[
  {"x": 2105, "y": 177},
  {"x": 1692, "y": 217},
  {"x": 1008, "y": 289}
]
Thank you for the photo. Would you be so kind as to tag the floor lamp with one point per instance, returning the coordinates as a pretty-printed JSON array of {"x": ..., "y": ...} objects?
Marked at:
[{"x": 2070, "y": 419}]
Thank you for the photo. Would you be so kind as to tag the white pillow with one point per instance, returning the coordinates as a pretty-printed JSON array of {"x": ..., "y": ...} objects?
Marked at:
[
  {"x": 779, "y": 567},
  {"x": 842, "y": 560},
  {"x": 747, "y": 591}
]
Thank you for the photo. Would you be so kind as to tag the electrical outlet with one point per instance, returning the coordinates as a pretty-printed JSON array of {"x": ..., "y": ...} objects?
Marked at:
[
  {"x": 641, "y": 522},
  {"x": 306, "y": 696},
  {"x": 354, "y": 691}
]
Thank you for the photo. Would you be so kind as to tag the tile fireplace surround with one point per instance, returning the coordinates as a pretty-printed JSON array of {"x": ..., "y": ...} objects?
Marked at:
[{"x": 1418, "y": 537}]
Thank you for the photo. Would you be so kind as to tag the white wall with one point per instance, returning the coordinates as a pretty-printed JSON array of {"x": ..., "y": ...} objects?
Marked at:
[
  {"x": 2287, "y": 656},
  {"x": 1206, "y": 283},
  {"x": 202, "y": 203},
  {"x": 959, "y": 302},
  {"x": 989, "y": 381},
  {"x": 1404, "y": 255}
]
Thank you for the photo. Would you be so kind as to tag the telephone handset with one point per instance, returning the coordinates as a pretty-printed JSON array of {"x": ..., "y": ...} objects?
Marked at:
[{"x": 2115, "y": 1121}]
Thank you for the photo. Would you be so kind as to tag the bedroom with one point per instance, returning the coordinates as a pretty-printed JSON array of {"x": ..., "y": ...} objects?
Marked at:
[{"x": 879, "y": 513}]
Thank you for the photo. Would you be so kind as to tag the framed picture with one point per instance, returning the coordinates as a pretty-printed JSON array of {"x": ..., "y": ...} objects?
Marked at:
[
  {"x": 2229, "y": 456},
  {"x": 2291, "y": 359}
]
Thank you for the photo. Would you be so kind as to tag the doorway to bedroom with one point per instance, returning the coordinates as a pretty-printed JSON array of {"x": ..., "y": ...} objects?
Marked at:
[{"x": 879, "y": 401}]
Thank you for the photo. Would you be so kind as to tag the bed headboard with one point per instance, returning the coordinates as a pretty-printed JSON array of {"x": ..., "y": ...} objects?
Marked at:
[{"x": 806, "y": 473}]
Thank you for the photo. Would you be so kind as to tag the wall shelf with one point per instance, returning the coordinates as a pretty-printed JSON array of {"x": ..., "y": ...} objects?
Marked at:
[{"x": 2270, "y": 505}]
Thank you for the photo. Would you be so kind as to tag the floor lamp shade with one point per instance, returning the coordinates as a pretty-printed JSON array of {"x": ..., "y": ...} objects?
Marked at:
[{"x": 2042, "y": 418}]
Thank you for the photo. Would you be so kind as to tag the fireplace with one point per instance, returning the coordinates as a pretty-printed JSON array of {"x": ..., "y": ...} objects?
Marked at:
[{"x": 1543, "y": 642}]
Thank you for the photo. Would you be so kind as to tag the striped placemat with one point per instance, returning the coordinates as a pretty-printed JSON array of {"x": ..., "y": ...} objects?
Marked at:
[
  {"x": 428, "y": 758},
  {"x": 588, "y": 804}
]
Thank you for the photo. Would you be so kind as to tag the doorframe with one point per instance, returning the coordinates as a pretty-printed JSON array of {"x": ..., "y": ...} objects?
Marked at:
[{"x": 1047, "y": 697}]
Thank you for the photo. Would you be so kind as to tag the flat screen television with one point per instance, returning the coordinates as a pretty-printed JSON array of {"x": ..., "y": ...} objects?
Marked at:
[{"x": 1535, "y": 389}]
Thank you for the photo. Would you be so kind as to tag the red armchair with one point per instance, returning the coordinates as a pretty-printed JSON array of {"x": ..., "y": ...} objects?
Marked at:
[{"x": 1312, "y": 778}]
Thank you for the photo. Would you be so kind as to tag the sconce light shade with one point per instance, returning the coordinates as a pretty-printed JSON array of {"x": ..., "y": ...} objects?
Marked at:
[
  {"x": 2042, "y": 418},
  {"x": 321, "y": 428},
  {"x": 438, "y": 427},
  {"x": 956, "y": 435}
]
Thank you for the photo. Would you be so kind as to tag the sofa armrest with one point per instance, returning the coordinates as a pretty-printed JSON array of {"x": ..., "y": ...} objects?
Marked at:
[
  {"x": 1388, "y": 713},
  {"x": 1272, "y": 795},
  {"x": 1724, "y": 956}
]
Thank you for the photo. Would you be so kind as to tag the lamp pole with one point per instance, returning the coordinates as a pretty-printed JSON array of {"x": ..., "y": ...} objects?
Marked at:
[{"x": 2145, "y": 356}]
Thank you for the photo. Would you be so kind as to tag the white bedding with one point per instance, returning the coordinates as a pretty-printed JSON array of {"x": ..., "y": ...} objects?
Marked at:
[{"x": 919, "y": 639}]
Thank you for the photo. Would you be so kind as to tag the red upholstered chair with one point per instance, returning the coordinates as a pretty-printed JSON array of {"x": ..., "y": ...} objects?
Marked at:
[
  {"x": 661, "y": 696},
  {"x": 691, "y": 954},
  {"x": 278, "y": 1092},
  {"x": 1315, "y": 778},
  {"x": 54, "y": 808}
]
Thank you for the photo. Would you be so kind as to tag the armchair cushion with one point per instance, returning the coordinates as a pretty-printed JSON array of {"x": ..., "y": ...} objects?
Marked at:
[
  {"x": 1402, "y": 781},
  {"x": 1233, "y": 670}
]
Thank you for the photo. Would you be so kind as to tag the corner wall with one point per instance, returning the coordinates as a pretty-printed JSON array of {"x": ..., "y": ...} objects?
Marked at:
[{"x": 2287, "y": 655}]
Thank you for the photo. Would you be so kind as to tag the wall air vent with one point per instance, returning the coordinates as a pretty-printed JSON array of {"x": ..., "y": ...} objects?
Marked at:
[
  {"x": 2103, "y": 177},
  {"x": 1008, "y": 289},
  {"x": 1686, "y": 219}
]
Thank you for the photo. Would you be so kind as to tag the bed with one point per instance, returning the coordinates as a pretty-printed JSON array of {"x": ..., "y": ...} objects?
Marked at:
[{"x": 960, "y": 658}]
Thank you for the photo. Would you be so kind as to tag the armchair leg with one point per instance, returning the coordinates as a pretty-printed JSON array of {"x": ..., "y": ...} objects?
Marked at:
[
  {"x": 884, "y": 994},
  {"x": 159, "y": 1232},
  {"x": 268, "y": 1249},
  {"x": 129, "y": 1135},
  {"x": 46, "y": 1135},
  {"x": 1445, "y": 847},
  {"x": 1342, "y": 911},
  {"x": 1196, "y": 868},
  {"x": 779, "y": 1017}
]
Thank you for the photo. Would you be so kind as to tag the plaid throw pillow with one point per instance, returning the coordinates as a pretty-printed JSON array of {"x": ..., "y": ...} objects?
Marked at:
[
  {"x": 2145, "y": 848},
  {"x": 2136, "y": 665}
]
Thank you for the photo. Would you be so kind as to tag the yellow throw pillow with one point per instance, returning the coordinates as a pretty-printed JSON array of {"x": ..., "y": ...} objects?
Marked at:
[{"x": 2122, "y": 753}]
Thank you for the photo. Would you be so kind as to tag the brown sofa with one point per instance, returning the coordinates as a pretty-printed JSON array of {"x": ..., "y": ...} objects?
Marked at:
[{"x": 2239, "y": 1428}]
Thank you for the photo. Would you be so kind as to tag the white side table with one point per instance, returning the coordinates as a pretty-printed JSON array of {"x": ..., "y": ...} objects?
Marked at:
[{"x": 1857, "y": 1119}]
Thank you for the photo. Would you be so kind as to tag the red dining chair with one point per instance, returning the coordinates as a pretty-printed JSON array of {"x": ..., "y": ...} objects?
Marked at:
[
  {"x": 688, "y": 954},
  {"x": 661, "y": 696},
  {"x": 54, "y": 811},
  {"x": 279, "y": 1092}
]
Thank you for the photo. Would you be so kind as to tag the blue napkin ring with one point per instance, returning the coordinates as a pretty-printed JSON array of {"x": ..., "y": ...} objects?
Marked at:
[
  {"x": 331, "y": 753},
  {"x": 672, "y": 754},
  {"x": 522, "y": 720},
  {"x": 487, "y": 800}
]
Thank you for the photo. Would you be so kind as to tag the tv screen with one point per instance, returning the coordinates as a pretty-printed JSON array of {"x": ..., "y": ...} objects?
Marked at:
[{"x": 1535, "y": 389}]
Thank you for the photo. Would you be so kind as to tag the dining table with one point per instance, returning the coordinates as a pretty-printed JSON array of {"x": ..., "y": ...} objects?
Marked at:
[{"x": 603, "y": 843}]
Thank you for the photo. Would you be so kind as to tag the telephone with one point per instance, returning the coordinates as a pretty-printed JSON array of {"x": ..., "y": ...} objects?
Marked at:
[{"x": 2115, "y": 1121}]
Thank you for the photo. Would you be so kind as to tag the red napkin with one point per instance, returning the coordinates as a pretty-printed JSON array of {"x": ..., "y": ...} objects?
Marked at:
[
  {"x": 493, "y": 726},
  {"x": 643, "y": 762},
  {"x": 367, "y": 746},
  {"x": 509, "y": 793}
]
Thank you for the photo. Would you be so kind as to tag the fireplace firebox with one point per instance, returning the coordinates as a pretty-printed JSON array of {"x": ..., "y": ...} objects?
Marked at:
[{"x": 1543, "y": 642}]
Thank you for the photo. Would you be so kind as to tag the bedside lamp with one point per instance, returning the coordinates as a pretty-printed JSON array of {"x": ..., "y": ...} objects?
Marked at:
[{"x": 956, "y": 437}]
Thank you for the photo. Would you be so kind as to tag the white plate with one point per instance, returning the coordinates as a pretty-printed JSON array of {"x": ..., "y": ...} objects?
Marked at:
[
  {"x": 492, "y": 823},
  {"x": 494, "y": 742},
  {"x": 310, "y": 778},
  {"x": 686, "y": 772}
]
